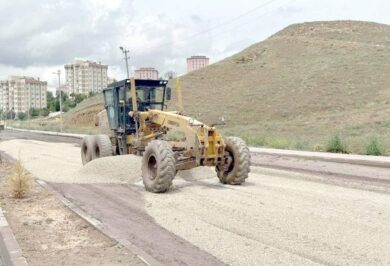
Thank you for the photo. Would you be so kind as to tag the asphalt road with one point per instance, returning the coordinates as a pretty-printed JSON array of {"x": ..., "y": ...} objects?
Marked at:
[
  {"x": 290, "y": 211},
  {"x": 14, "y": 134}
]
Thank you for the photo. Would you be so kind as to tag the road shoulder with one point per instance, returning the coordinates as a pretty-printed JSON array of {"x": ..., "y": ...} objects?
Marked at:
[{"x": 51, "y": 234}]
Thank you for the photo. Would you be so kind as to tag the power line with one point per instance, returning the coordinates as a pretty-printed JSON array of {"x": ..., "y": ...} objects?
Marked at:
[
  {"x": 245, "y": 23},
  {"x": 235, "y": 18},
  {"x": 230, "y": 21}
]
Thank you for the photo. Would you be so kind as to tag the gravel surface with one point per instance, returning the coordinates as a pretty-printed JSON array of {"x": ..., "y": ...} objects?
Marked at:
[
  {"x": 61, "y": 163},
  {"x": 276, "y": 217}
]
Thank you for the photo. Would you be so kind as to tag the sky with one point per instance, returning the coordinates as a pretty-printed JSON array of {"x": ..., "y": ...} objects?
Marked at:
[{"x": 39, "y": 37}]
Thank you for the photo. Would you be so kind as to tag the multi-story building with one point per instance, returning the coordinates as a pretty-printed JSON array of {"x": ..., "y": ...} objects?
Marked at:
[
  {"x": 146, "y": 73},
  {"x": 197, "y": 62},
  {"x": 83, "y": 77},
  {"x": 22, "y": 93}
]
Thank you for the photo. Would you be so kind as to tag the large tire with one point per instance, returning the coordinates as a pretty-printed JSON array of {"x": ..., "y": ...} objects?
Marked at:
[
  {"x": 158, "y": 166},
  {"x": 101, "y": 147},
  {"x": 236, "y": 167},
  {"x": 86, "y": 149}
]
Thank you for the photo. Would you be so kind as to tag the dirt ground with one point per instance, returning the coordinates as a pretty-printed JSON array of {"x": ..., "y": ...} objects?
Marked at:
[{"x": 50, "y": 234}]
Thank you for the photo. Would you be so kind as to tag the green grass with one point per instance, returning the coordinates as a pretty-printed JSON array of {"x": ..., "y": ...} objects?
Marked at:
[
  {"x": 336, "y": 144},
  {"x": 373, "y": 148}
]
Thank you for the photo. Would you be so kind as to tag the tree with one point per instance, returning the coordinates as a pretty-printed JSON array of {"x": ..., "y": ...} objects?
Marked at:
[
  {"x": 78, "y": 98},
  {"x": 50, "y": 99},
  {"x": 170, "y": 74},
  {"x": 10, "y": 114}
]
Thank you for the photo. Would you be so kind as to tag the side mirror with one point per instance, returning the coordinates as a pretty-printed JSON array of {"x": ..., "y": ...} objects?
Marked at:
[{"x": 168, "y": 94}]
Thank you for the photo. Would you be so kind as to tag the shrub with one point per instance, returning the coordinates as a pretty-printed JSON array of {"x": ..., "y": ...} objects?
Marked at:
[
  {"x": 335, "y": 144},
  {"x": 373, "y": 148},
  {"x": 20, "y": 182},
  {"x": 22, "y": 116},
  {"x": 318, "y": 147},
  {"x": 300, "y": 145},
  {"x": 44, "y": 112}
]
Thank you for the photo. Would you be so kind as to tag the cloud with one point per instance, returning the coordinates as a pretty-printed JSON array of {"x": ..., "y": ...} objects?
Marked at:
[
  {"x": 38, "y": 37},
  {"x": 54, "y": 32}
]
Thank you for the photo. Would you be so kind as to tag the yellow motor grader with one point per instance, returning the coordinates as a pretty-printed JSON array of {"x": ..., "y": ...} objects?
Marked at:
[{"x": 139, "y": 126}]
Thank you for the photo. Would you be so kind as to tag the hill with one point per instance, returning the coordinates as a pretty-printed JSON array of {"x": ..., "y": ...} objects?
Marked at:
[
  {"x": 300, "y": 86},
  {"x": 296, "y": 89}
]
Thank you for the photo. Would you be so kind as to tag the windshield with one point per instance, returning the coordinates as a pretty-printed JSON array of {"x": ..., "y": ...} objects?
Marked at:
[{"x": 150, "y": 94}]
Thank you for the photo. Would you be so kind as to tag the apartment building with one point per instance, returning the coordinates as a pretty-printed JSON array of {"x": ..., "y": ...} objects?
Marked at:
[
  {"x": 83, "y": 77},
  {"x": 22, "y": 93},
  {"x": 197, "y": 62},
  {"x": 146, "y": 73}
]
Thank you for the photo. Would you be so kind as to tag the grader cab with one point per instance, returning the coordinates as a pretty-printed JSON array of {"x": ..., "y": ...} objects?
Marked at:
[{"x": 139, "y": 125}]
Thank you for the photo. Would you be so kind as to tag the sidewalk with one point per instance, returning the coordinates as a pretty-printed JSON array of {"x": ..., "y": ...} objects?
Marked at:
[{"x": 379, "y": 161}]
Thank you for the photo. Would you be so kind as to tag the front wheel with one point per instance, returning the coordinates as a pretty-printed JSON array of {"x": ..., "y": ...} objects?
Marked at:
[
  {"x": 158, "y": 166},
  {"x": 236, "y": 164}
]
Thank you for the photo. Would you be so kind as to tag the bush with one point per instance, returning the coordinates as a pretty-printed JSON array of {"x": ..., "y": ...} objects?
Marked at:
[
  {"x": 44, "y": 112},
  {"x": 65, "y": 108},
  {"x": 20, "y": 182},
  {"x": 373, "y": 148},
  {"x": 34, "y": 112},
  {"x": 335, "y": 144},
  {"x": 22, "y": 116}
]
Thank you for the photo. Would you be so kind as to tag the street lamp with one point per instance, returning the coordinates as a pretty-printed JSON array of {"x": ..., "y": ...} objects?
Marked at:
[
  {"x": 125, "y": 51},
  {"x": 59, "y": 88}
]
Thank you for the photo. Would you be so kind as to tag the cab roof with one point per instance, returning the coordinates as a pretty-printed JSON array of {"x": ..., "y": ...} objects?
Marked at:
[{"x": 138, "y": 83}]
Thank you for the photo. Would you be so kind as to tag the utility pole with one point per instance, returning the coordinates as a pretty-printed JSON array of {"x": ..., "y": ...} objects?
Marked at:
[
  {"x": 59, "y": 89},
  {"x": 125, "y": 52}
]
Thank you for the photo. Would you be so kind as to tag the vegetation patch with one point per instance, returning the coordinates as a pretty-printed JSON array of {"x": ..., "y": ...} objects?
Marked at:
[
  {"x": 373, "y": 148},
  {"x": 336, "y": 145},
  {"x": 20, "y": 181}
]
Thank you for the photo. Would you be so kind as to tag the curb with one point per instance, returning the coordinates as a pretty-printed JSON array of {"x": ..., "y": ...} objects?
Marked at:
[
  {"x": 375, "y": 161},
  {"x": 50, "y": 133},
  {"x": 142, "y": 255},
  {"x": 10, "y": 252}
]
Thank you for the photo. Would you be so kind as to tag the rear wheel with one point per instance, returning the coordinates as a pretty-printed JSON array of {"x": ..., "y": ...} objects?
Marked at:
[
  {"x": 236, "y": 165},
  {"x": 86, "y": 149},
  {"x": 101, "y": 146},
  {"x": 158, "y": 166}
]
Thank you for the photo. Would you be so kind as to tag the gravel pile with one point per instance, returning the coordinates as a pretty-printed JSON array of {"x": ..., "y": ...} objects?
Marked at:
[
  {"x": 115, "y": 169},
  {"x": 61, "y": 163}
]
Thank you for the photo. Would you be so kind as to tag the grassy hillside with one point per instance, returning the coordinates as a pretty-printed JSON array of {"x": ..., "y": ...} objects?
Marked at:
[
  {"x": 81, "y": 119},
  {"x": 296, "y": 89},
  {"x": 301, "y": 86}
]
